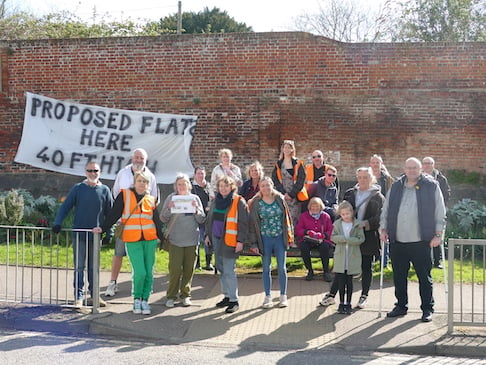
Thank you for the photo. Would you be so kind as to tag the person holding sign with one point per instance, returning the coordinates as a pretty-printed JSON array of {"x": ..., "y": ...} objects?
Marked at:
[
  {"x": 184, "y": 212},
  {"x": 124, "y": 180}
]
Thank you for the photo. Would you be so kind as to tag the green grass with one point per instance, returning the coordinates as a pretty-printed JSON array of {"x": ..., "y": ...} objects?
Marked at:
[{"x": 37, "y": 255}]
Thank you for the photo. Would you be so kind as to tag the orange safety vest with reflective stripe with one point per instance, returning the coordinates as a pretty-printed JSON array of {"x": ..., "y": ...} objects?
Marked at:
[
  {"x": 231, "y": 231},
  {"x": 141, "y": 220},
  {"x": 309, "y": 173},
  {"x": 301, "y": 195}
]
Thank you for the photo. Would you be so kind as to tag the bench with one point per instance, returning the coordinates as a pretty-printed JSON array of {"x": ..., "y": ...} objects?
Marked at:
[{"x": 292, "y": 252}]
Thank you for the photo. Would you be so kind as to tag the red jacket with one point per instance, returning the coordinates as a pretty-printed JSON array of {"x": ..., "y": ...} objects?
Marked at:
[{"x": 322, "y": 225}]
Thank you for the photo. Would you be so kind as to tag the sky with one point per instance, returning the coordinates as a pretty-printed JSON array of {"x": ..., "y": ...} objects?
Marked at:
[{"x": 261, "y": 15}]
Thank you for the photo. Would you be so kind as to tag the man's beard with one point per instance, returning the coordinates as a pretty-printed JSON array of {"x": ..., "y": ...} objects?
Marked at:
[{"x": 138, "y": 166}]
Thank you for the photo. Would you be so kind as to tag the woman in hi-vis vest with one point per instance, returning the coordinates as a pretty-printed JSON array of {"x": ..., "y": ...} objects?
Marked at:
[
  {"x": 227, "y": 232},
  {"x": 136, "y": 208},
  {"x": 289, "y": 178}
]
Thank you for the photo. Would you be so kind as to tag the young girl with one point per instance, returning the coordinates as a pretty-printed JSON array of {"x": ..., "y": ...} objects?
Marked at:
[{"x": 348, "y": 236}]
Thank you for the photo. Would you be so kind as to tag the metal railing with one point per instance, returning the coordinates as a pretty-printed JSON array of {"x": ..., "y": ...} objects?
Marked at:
[
  {"x": 468, "y": 308},
  {"x": 37, "y": 266}
]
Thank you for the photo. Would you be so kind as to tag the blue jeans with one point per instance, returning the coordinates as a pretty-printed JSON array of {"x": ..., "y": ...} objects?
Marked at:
[
  {"x": 81, "y": 248},
  {"x": 275, "y": 245},
  {"x": 226, "y": 267}
]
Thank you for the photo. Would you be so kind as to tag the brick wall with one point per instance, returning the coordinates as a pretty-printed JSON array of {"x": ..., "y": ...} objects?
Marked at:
[{"x": 250, "y": 91}]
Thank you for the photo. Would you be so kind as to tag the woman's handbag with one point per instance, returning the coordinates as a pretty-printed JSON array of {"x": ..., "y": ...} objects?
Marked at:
[
  {"x": 165, "y": 243},
  {"x": 120, "y": 227}
]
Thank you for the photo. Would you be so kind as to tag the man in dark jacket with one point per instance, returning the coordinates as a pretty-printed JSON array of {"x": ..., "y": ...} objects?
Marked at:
[
  {"x": 412, "y": 220},
  {"x": 429, "y": 168}
]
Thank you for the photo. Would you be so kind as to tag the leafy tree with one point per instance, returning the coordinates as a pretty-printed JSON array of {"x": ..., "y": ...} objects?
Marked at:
[
  {"x": 23, "y": 25},
  {"x": 206, "y": 21},
  {"x": 441, "y": 20},
  {"x": 343, "y": 20}
]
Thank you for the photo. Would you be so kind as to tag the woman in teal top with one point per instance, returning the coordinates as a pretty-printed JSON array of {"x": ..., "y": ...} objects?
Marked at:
[{"x": 271, "y": 231}]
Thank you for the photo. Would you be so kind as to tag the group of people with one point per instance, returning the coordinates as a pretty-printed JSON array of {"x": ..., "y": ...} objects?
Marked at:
[{"x": 229, "y": 214}]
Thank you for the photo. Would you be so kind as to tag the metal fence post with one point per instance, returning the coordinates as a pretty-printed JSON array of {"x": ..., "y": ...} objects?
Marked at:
[{"x": 96, "y": 273}]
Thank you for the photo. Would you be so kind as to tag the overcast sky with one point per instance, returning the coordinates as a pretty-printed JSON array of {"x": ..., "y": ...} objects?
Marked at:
[{"x": 261, "y": 15}]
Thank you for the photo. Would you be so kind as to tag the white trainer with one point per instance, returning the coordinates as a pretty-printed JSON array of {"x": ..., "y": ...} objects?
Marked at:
[
  {"x": 186, "y": 302},
  {"x": 137, "y": 306},
  {"x": 169, "y": 303},
  {"x": 363, "y": 300},
  {"x": 111, "y": 289},
  {"x": 146, "y": 307},
  {"x": 327, "y": 300},
  {"x": 283, "y": 301},
  {"x": 267, "y": 302}
]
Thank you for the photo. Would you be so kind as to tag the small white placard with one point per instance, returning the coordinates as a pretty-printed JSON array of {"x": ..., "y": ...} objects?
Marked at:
[{"x": 183, "y": 204}]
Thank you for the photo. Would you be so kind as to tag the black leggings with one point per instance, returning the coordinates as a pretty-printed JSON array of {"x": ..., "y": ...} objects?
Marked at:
[
  {"x": 367, "y": 273},
  {"x": 345, "y": 285},
  {"x": 305, "y": 252}
]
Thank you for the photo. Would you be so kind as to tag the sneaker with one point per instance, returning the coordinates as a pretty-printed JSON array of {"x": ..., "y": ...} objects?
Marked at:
[
  {"x": 267, "y": 302},
  {"x": 111, "y": 289},
  {"x": 232, "y": 307},
  {"x": 146, "y": 307},
  {"x": 78, "y": 303},
  {"x": 363, "y": 300},
  {"x": 327, "y": 277},
  {"x": 283, "y": 301},
  {"x": 186, "y": 302},
  {"x": 341, "y": 309},
  {"x": 327, "y": 300},
  {"x": 224, "y": 303},
  {"x": 347, "y": 309},
  {"x": 426, "y": 316},
  {"x": 169, "y": 303},
  {"x": 137, "y": 306}
]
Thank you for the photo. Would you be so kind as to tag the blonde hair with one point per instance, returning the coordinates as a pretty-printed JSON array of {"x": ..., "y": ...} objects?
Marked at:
[
  {"x": 142, "y": 175},
  {"x": 343, "y": 206},
  {"x": 259, "y": 168},
  {"x": 316, "y": 200},
  {"x": 225, "y": 151}
]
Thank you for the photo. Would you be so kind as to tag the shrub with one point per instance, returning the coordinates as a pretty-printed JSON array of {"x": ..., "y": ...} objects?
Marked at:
[{"x": 11, "y": 208}]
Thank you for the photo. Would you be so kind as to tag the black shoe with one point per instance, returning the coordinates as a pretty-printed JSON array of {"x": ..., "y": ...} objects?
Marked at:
[
  {"x": 232, "y": 307},
  {"x": 341, "y": 309},
  {"x": 438, "y": 265},
  {"x": 224, "y": 303},
  {"x": 327, "y": 277},
  {"x": 209, "y": 267},
  {"x": 426, "y": 316},
  {"x": 347, "y": 309},
  {"x": 397, "y": 312},
  {"x": 310, "y": 276}
]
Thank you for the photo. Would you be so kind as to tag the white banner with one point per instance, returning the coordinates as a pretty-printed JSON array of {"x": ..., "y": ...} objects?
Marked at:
[{"x": 63, "y": 136}]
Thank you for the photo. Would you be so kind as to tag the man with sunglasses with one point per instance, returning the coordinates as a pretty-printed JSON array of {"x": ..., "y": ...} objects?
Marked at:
[
  {"x": 328, "y": 190},
  {"x": 91, "y": 201}
]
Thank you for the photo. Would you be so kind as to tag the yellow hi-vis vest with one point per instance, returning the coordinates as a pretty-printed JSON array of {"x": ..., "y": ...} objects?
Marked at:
[
  {"x": 231, "y": 229},
  {"x": 141, "y": 220}
]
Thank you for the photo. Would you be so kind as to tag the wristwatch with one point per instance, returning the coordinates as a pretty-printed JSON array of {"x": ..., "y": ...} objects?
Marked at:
[{"x": 438, "y": 235}]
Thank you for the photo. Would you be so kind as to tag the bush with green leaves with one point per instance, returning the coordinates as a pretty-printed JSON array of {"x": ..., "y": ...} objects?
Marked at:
[
  {"x": 467, "y": 219},
  {"x": 11, "y": 208}
]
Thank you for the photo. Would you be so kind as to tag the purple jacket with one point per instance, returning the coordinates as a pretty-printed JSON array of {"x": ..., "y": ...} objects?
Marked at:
[{"x": 307, "y": 222}]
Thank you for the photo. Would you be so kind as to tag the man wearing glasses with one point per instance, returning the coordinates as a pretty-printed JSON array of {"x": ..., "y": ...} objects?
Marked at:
[
  {"x": 328, "y": 190},
  {"x": 91, "y": 201}
]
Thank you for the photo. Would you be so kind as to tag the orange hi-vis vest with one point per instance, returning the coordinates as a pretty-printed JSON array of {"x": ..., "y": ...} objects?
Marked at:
[
  {"x": 309, "y": 173},
  {"x": 301, "y": 195},
  {"x": 141, "y": 220},
  {"x": 231, "y": 229}
]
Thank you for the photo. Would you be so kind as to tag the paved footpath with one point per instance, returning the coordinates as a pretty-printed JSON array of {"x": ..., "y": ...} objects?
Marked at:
[{"x": 303, "y": 325}]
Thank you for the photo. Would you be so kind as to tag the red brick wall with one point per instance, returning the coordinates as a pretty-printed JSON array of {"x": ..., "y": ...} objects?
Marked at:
[{"x": 250, "y": 91}]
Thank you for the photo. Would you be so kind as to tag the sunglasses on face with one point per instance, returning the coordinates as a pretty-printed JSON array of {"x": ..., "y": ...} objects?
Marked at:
[
  {"x": 331, "y": 175},
  {"x": 92, "y": 170},
  {"x": 317, "y": 156}
]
